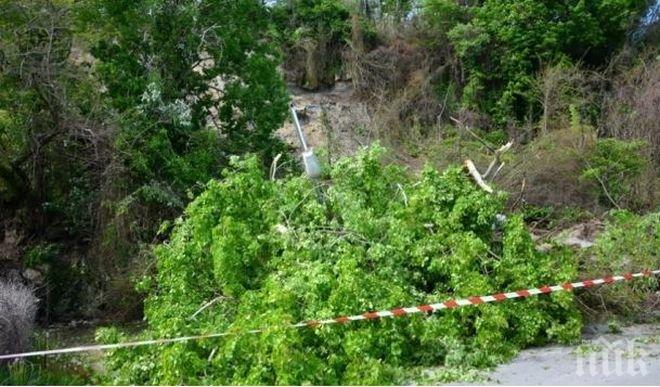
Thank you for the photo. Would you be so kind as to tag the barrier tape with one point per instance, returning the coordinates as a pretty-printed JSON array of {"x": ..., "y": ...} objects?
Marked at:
[{"x": 397, "y": 312}]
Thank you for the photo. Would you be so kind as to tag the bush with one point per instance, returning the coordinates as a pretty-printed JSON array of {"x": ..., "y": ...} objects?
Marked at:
[
  {"x": 18, "y": 308},
  {"x": 548, "y": 170},
  {"x": 630, "y": 243},
  {"x": 267, "y": 253},
  {"x": 615, "y": 165},
  {"x": 194, "y": 86},
  {"x": 630, "y": 106}
]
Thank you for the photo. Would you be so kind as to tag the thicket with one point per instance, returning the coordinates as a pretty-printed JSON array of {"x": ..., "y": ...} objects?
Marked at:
[
  {"x": 113, "y": 114},
  {"x": 191, "y": 83},
  {"x": 483, "y": 56},
  {"x": 53, "y": 145},
  {"x": 504, "y": 43},
  {"x": 261, "y": 253},
  {"x": 313, "y": 35},
  {"x": 321, "y": 39},
  {"x": 512, "y": 70}
]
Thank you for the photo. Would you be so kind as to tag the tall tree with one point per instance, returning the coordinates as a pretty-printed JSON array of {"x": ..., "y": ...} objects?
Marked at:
[{"x": 193, "y": 83}]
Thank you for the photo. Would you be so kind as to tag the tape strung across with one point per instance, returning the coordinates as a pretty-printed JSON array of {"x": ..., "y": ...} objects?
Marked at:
[{"x": 397, "y": 312}]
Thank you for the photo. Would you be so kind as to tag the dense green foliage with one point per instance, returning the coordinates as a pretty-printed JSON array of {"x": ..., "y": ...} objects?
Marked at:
[
  {"x": 276, "y": 252},
  {"x": 113, "y": 114},
  {"x": 505, "y": 42},
  {"x": 312, "y": 34},
  {"x": 615, "y": 165},
  {"x": 116, "y": 114},
  {"x": 192, "y": 83}
]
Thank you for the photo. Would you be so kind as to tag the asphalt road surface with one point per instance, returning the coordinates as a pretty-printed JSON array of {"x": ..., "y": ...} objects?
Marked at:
[{"x": 630, "y": 357}]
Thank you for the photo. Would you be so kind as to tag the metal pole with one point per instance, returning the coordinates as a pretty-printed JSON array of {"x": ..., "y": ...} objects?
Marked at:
[
  {"x": 310, "y": 162},
  {"x": 296, "y": 124}
]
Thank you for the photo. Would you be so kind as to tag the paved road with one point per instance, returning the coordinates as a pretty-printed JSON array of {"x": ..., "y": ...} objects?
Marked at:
[{"x": 636, "y": 351}]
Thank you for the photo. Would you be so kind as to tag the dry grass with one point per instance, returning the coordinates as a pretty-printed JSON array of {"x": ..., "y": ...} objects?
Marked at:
[
  {"x": 397, "y": 80},
  {"x": 18, "y": 309},
  {"x": 549, "y": 168}
]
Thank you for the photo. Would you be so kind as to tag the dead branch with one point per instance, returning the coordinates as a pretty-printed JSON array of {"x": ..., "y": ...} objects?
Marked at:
[
  {"x": 273, "y": 166},
  {"x": 477, "y": 176}
]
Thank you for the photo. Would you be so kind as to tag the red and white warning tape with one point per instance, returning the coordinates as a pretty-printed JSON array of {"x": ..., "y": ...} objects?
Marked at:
[
  {"x": 397, "y": 312},
  {"x": 456, "y": 303}
]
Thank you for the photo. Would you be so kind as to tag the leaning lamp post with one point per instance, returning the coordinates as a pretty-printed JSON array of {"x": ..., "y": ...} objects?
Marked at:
[{"x": 310, "y": 162}]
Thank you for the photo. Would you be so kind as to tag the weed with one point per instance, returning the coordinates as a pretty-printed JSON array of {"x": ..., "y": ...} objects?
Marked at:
[{"x": 585, "y": 349}]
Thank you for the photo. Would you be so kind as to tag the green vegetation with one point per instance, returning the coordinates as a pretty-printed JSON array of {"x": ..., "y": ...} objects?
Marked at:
[
  {"x": 504, "y": 43},
  {"x": 59, "y": 372},
  {"x": 615, "y": 165},
  {"x": 135, "y": 139},
  {"x": 48, "y": 371},
  {"x": 313, "y": 34},
  {"x": 628, "y": 244},
  {"x": 208, "y": 89},
  {"x": 113, "y": 115},
  {"x": 276, "y": 252}
]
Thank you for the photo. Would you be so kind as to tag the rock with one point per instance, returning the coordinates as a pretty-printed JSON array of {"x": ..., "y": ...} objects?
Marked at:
[
  {"x": 33, "y": 276},
  {"x": 581, "y": 235},
  {"x": 9, "y": 245}
]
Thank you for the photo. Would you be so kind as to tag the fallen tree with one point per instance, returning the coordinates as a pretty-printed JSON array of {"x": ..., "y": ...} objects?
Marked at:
[{"x": 252, "y": 253}]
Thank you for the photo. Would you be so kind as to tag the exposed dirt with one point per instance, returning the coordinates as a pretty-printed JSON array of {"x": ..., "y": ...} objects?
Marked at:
[
  {"x": 338, "y": 122},
  {"x": 330, "y": 119}
]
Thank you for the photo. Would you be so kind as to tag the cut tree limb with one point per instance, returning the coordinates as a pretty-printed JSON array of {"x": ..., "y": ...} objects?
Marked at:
[
  {"x": 496, "y": 161},
  {"x": 477, "y": 176}
]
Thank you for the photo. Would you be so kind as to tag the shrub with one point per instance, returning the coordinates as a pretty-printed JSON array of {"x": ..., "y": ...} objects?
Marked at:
[
  {"x": 548, "y": 170},
  {"x": 630, "y": 243},
  {"x": 614, "y": 165},
  {"x": 189, "y": 91},
  {"x": 561, "y": 90},
  {"x": 630, "y": 106},
  {"x": 194, "y": 85},
  {"x": 18, "y": 308},
  {"x": 265, "y": 253}
]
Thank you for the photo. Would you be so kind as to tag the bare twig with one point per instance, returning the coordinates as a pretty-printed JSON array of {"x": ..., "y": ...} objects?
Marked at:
[
  {"x": 498, "y": 154},
  {"x": 205, "y": 306},
  {"x": 473, "y": 134},
  {"x": 520, "y": 196}
]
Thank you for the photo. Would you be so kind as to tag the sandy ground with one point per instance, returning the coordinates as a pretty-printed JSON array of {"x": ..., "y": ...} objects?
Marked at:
[{"x": 636, "y": 351}]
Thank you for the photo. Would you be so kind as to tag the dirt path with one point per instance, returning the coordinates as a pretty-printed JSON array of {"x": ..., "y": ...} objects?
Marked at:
[{"x": 635, "y": 350}]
